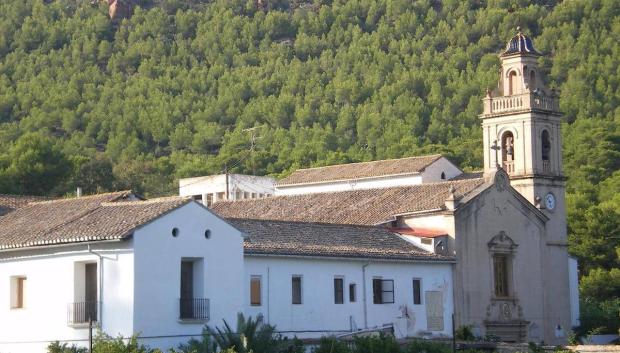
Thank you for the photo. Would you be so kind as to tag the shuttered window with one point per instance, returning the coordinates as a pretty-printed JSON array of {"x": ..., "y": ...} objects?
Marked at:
[{"x": 255, "y": 291}]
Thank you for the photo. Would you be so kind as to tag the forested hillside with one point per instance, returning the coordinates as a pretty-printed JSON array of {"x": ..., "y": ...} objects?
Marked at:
[{"x": 171, "y": 92}]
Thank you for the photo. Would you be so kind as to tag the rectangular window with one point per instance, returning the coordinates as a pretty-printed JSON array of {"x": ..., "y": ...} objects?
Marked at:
[
  {"x": 238, "y": 195},
  {"x": 255, "y": 294},
  {"x": 209, "y": 199},
  {"x": 383, "y": 291},
  {"x": 338, "y": 290},
  {"x": 220, "y": 196},
  {"x": 417, "y": 291},
  {"x": 352, "y": 293},
  {"x": 18, "y": 292},
  {"x": 246, "y": 195},
  {"x": 500, "y": 273},
  {"x": 296, "y": 290}
]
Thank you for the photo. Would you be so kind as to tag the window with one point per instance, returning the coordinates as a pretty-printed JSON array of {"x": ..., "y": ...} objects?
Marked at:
[
  {"x": 417, "y": 291},
  {"x": 220, "y": 196},
  {"x": 383, "y": 291},
  {"x": 500, "y": 274},
  {"x": 192, "y": 305},
  {"x": 246, "y": 195},
  {"x": 352, "y": 294},
  {"x": 443, "y": 175},
  {"x": 338, "y": 290},
  {"x": 513, "y": 83},
  {"x": 508, "y": 152},
  {"x": 209, "y": 199},
  {"x": 255, "y": 293},
  {"x": 296, "y": 290},
  {"x": 238, "y": 195},
  {"x": 18, "y": 292},
  {"x": 85, "y": 293}
]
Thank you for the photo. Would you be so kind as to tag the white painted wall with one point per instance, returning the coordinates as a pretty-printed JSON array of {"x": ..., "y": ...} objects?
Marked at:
[
  {"x": 214, "y": 184},
  {"x": 318, "y": 312},
  {"x": 573, "y": 277},
  {"x": 355, "y": 184},
  {"x": 50, "y": 289},
  {"x": 431, "y": 173},
  {"x": 158, "y": 270}
]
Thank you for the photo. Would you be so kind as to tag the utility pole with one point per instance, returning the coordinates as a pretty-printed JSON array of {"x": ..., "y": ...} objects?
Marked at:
[{"x": 252, "y": 132}]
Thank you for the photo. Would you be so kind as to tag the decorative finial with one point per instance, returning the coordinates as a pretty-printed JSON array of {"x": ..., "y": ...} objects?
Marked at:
[
  {"x": 488, "y": 92},
  {"x": 519, "y": 29}
]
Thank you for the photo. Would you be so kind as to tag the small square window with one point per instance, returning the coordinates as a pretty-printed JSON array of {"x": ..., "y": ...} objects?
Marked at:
[
  {"x": 352, "y": 294},
  {"x": 383, "y": 291}
]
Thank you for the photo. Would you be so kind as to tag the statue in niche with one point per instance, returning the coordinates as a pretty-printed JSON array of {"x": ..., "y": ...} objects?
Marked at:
[{"x": 509, "y": 149}]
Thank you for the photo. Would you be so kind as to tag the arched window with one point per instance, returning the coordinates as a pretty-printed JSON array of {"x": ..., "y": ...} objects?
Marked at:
[
  {"x": 443, "y": 175},
  {"x": 512, "y": 83},
  {"x": 502, "y": 251},
  {"x": 546, "y": 151},
  {"x": 532, "y": 80},
  {"x": 508, "y": 152}
]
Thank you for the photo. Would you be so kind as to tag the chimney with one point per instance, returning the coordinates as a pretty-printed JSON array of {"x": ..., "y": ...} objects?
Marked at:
[
  {"x": 452, "y": 201},
  {"x": 78, "y": 192}
]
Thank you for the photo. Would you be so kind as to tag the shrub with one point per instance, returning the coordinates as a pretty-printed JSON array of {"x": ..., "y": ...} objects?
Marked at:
[
  {"x": 56, "y": 347},
  {"x": 331, "y": 345},
  {"x": 376, "y": 344},
  {"x": 422, "y": 346},
  {"x": 107, "y": 344},
  {"x": 465, "y": 333}
]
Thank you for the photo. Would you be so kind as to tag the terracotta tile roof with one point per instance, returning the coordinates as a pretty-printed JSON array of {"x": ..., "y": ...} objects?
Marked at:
[
  {"x": 88, "y": 218},
  {"x": 363, "y": 207},
  {"x": 469, "y": 175},
  {"x": 10, "y": 203},
  {"x": 402, "y": 166},
  {"x": 329, "y": 240}
]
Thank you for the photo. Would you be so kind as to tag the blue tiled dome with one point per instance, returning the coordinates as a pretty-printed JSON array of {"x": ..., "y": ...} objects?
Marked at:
[{"x": 520, "y": 44}]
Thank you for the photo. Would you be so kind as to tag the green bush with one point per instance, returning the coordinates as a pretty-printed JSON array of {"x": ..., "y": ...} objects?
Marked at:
[
  {"x": 376, "y": 344},
  {"x": 56, "y": 347},
  {"x": 423, "y": 346},
  {"x": 331, "y": 345},
  {"x": 465, "y": 333},
  {"x": 107, "y": 344}
]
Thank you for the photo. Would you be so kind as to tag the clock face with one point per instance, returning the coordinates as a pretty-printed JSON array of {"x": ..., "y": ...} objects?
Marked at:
[{"x": 550, "y": 201}]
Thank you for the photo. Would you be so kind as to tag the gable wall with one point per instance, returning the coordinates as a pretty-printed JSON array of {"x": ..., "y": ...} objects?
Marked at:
[
  {"x": 477, "y": 223},
  {"x": 158, "y": 258}
]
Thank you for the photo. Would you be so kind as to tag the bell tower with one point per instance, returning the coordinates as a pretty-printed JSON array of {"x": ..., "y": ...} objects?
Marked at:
[
  {"x": 521, "y": 131},
  {"x": 521, "y": 126}
]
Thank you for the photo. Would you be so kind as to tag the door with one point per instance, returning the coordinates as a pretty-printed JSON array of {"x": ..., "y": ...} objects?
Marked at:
[
  {"x": 187, "y": 289},
  {"x": 90, "y": 292}
]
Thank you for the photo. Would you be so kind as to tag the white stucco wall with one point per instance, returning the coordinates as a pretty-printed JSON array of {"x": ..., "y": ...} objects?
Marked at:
[
  {"x": 432, "y": 173},
  {"x": 356, "y": 184},
  {"x": 50, "y": 289},
  {"x": 214, "y": 184},
  {"x": 319, "y": 315},
  {"x": 158, "y": 258}
]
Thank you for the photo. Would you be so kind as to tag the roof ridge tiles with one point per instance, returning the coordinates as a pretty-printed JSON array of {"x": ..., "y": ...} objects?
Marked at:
[
  {"x": 85, "y": 197},
  {"x": 375, "y": 161}
]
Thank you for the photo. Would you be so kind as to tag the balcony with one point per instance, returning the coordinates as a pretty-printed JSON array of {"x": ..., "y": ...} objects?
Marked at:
[
  {"x": 509, "y": 167},
  {"x": 82, "y": 313},
  {"x": 497, "y": 105},
  {"x": 194, "y": 309}
]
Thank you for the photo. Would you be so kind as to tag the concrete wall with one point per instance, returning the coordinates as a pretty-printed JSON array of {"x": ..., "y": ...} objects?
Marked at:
[
  {"x": 432, "y": 173},
  {"x": 51, "y": 288},
  {"x": 319, "y": 315},
  {"x": 158, "y": 258}
]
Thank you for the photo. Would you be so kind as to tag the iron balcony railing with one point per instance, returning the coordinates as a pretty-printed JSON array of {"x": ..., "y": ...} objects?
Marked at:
[
  {"x": 82, "y": 312},
  {"x": 194, "y": 309}
]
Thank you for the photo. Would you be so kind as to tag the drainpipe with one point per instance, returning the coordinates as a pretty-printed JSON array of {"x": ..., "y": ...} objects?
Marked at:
[
  {"x": 364, "y": 293},
  {"x": 100, "y": 309},
  {"x": 268, "y": 306}
]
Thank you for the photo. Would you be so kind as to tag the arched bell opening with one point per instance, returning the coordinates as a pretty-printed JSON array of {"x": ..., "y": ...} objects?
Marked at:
[
  {"x": 508, "y": 152},
  {"x": 546, "y": 151}
]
